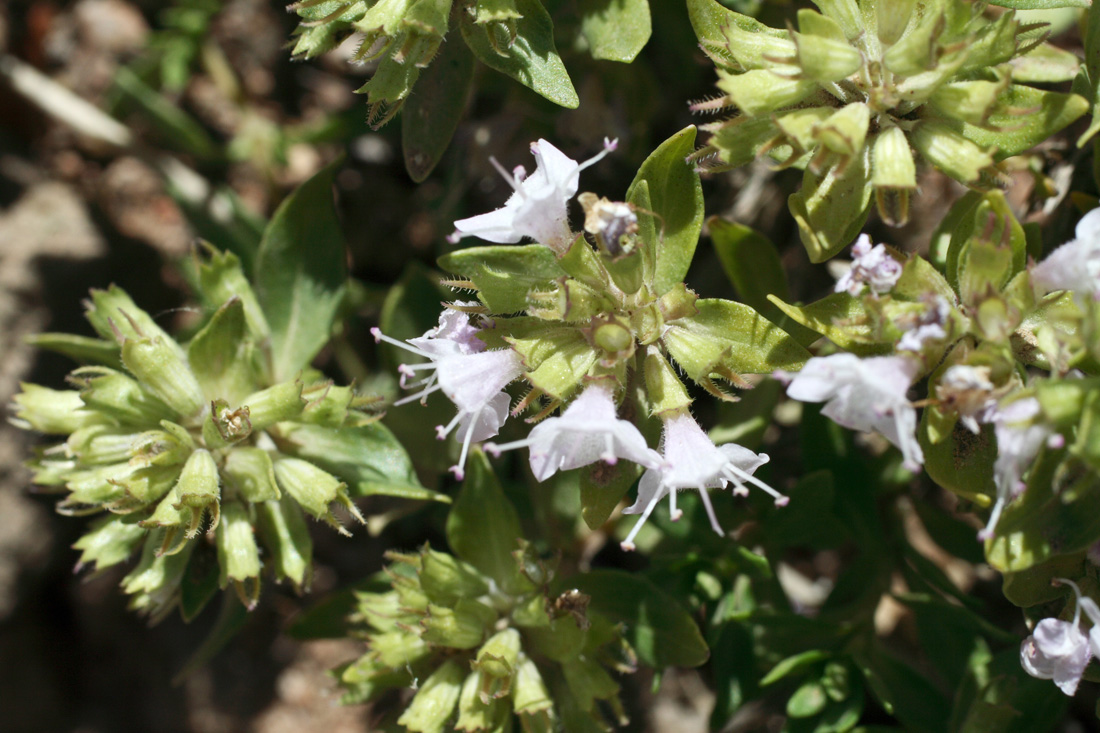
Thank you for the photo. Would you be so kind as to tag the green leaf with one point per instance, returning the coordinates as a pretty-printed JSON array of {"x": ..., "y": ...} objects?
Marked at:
[
  {"x": 1033, "y": 586},
  {"x": 962, "y": 462},
  {"x": 997, "y": 696},
  {"x": 1088, "y": 80},
  {"x": 903, "y": 692},
  {"x": 532, "y": 59},
  {"x": 1045, "y": 64},
  {"x": 1013, "y": 131},
  {"x": 659, "y": 629},
  {"x": 795, "y": 665},
  {"x": 483, "y": 526},
  {"x": 676, "y": 205},
  {"x": 752, "y": 264},
  {"x": 301, "y": 273},
  {"x": 616, "y": 30},
  {"x": 726, "y": 336},
  {"x": 831, "y": 209},
  {"x": 505, "y": 274},
  {"x": 842, "y": 319},
  {"x": 431, "y": 115},
  {"x": 368, "y": 458},
  {"x": 199, "y": 584}
]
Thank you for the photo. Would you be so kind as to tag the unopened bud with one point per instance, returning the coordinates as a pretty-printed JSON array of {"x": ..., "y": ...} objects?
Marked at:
[
  {"x": 435, "y": 701},
  {"x": 250, "y": 473},
  {"x": 52, "y": 411},
  {"x": 497, "y": 661},
  {"x": 476, "y": 714},
  {"x": 845, "y": 131},
  {"x": 238, "y": 555},
  {"x": 530, "y": 695},
  {"x": 461, "y": 627},
  {"x": 274, "y": 404},
  {"x": 949, "y": 151},
  {"x": 316, "y": 490},
  {"x": 445, "y": 578},
  {"x": 118, "y": 396},
  {"x": 758, "y": 92},
  {"x": 286, "y": 536},
  {"x": 161, "y": 369}
]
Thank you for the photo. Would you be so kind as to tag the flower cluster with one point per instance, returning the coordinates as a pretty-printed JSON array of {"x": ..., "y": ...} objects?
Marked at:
[
  {"x": 596, "y": 319},
  {"x": 850, "y": 94},
  {"x": 478, "y": 654},
  {"x": 170, "y": 441}
]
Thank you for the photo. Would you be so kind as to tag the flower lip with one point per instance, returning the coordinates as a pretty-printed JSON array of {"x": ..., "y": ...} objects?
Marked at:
[
  {"x": 872, "y": 267},
  {"x": 538, "y": 206},
  {"x": 586, "y": 432},
  {"x": 692, "y": 461}
]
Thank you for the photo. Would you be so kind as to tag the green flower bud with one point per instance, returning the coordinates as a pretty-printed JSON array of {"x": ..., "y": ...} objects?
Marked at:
[
  {"x": 476, "y": 714},
  {"x": 198, "y": 490},
  {"x": 161, "y": 369},
  {"x": 445, "y": 579},
  {"x": 845, "y": 131},
  {"x": 168, "y": 447},
  {"x": 94, "y": 487},
  {"x": 155, "y": 582},
  {"x": 398, "y": 648},
  {"x": 238, "y": 555},
  {"x": 497, "y": 660},
  {"x": 950, "y": 151},
  {"x": 116, "y": 317},
  {"x": 664, "y": 390},
  {"x": 612, "y": 336},
  {"x": 250, "y": 473},
  {"x": 434, "y": 703},
  {"x": 758, "y": 92},
  {"x": 286, "y": 536},
  {"x": 315, "y": 490},
  {"x": 110, "y": 541},
  {"x": 52, "y": 411},
  {"x": 118, "y": 396},
  {"x": 461, "y": 627},
  {"x": 892, "y": 18},
  {"x": 529, "y": 694},
  {"x": 274, "y": 404},
  {"x": 99, "y": 444},
  {"x": 145, "y": 485},
  {"x": 822, "y": 58}
]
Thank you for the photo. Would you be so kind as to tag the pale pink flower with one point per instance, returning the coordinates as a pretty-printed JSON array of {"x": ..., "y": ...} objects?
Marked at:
[
  {"x": 1075, "y": 265},
  {"x": 1020, "y": 435},
  {"x": 872, "y": 267},
  {"x": 539, "y": 206},
  {"x": 928, "y": 327},
  {"x": 588, "y": 431},
  {"x": 471, "y": 377},
  {"x": 1058, "y": 650},
  {"x": 693, "y": 461},
  {"x": 863, "y": 394}
]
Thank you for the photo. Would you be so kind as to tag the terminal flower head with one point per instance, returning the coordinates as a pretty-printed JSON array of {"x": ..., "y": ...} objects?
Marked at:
[
  {"x": 872, "y": 267},
  {"x": 539, "y": 205},
  {"x": 863, "y": 394},
  {"x": 1058, "y": 650},
  {"x": 693, "y": 461},
  {"x": 1075, "y": 265},
  {"x": 588, "y": 431}
]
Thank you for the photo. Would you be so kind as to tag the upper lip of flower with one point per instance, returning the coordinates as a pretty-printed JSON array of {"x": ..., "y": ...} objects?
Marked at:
[{"x": 538, "y": 206}]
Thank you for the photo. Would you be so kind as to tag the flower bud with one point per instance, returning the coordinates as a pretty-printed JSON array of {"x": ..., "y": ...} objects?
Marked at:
[
  {"x": 444, "y": 578},
  {"x": 664, "y": 390},
  {"x": 163, "y": 371},
  {"x": 497, "y": 660},
  {"x": 115, "y": 316},
  {"x": 949, "y": 151},
  {"x": 845, "y": 131},
  {"x": 100, "y": 444},
  {"x": 111, "y": 541},
  {"x": 144, "y": 485},
  {"x": 758, "y": 92},
  {"x": 969, "y": 101},
  {"x": 614, "y": 337},
  {"x": 169, "y": 447},
  {"x": 286, "y": 536},
  {"x": 52, "y": 411},
  {"x": 799, "y": 126},
  {"x": 434, "y": 703},
  {"x": 249, "y": 472},
  {"x": 197, "y": 488},
  {"x": 461, "y": 627},
  {"x": 893, "y": 17},
  {"x": 155, "y": 582},
  {"x": 530, "y": 695},
  {"x": 475, "y": 714},
  {"x": 274, "y": 404},
  {"x": 238, "y": 555},
  {"x": 314, "y": 489},
  {"x": 118, "y": 396},
  {"x": 823, "y": 58},
  {"x": 397, "y": 648}
]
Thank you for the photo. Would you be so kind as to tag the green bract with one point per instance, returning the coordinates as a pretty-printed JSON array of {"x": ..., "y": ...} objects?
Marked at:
[{"x": 859, "y": 88}]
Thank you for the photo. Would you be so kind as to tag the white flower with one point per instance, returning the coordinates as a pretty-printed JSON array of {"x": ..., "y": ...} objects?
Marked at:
[
  {"x": 539, "y": 207},
  {"x": 472, "y": 377},
  {"x": 692, "y": 461},
  {"x": 871, "y": 266},
  {"x": 586, "y": 432},
  {"x": 929, "y": 326},
  {"x": 863, "y": 394},
  {"x": 1076, "y": 264},
  {"x": 1058, "y": 650},
  {"x": 1020, "y": 435}
]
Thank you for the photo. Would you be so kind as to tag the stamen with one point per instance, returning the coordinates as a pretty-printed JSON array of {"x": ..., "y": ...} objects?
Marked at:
[
  {"x": 442, "y": 432},
  {"x": 495, "y": 450},
  {"x": 628, "y": 543},
  {"x": 507, "y": 176},
  {"x": 379, "y": 337},
  {"x": 780, "y": 499},
  {"x": 673, "y": 513},
  {"x": 710, "y": 511},
  {"x": 459, "y": 469}
]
